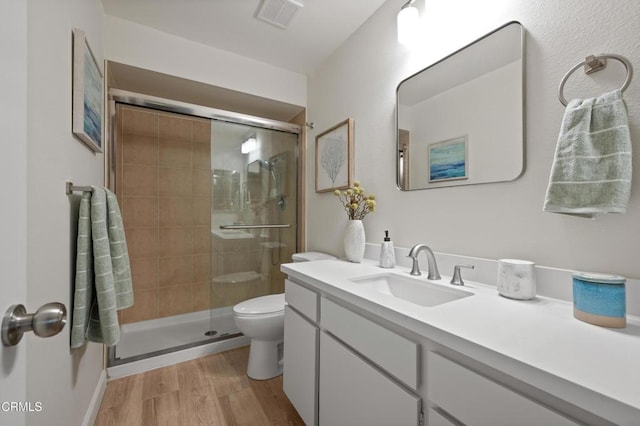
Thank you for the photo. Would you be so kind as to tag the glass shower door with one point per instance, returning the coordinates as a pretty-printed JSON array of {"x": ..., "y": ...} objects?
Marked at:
[
  {"x": 198, "y": 204},
  {"x": 253, "y": 212}
]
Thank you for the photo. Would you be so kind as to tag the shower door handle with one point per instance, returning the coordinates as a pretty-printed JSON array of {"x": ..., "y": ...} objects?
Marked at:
[{"x": 276, "y": 225}]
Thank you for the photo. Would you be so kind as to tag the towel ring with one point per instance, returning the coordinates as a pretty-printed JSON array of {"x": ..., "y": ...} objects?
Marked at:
[{"x": 596, "y": 63}]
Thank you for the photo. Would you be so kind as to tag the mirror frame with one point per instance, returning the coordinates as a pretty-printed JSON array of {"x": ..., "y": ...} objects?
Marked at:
[{"x": 398, "y": 131}]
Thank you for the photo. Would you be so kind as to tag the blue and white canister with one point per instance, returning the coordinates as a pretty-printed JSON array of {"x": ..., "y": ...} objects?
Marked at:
[{"x": 600, "y": 299}]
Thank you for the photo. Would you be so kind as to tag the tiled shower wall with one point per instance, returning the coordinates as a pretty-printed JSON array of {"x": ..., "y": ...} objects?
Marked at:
[{"x": 164, "y": 189}]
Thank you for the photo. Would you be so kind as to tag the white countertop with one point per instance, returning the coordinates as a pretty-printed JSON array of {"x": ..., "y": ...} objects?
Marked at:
[{"x": 589, "y": 366}]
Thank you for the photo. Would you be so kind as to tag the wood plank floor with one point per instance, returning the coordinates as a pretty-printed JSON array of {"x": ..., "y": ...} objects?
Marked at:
[{"x": 213, "y": 390}]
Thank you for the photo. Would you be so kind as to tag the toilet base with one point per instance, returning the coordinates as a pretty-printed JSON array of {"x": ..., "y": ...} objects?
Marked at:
[{"x": 265, "y": 359}]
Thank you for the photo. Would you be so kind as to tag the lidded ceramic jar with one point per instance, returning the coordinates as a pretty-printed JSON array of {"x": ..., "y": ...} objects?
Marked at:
[{"x": 600, "y": 299}]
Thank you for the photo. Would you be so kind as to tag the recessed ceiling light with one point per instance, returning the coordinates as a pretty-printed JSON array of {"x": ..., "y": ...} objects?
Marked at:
[{"x": 279, "y": 12}]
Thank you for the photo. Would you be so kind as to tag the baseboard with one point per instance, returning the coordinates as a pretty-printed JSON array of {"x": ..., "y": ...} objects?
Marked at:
[{"x": 96, "y": 400}]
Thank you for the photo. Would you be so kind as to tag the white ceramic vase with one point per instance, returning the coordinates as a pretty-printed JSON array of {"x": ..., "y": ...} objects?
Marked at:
[{"x": 354, "y": 240}]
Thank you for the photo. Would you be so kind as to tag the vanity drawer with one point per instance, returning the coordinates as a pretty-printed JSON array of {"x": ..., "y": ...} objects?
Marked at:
[
  {"x": 303, "y": 300},
  {"x": 388, "y": 350},
  {"x": 474, "y": 399}
]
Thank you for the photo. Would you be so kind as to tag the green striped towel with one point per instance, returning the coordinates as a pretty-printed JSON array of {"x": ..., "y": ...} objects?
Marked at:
[
  {"x": 591, "y": 172},
  {"x": 103, "y": 274}
]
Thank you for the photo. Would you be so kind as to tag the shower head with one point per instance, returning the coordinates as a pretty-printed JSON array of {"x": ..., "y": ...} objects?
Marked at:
[{"x": 270, "y": 167}]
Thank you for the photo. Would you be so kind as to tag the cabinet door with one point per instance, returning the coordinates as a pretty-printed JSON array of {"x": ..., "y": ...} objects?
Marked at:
[
  {"x": 384, "y": 348},
  {"x": 353, "y": 392},
  {"x": 300, "y": 364}
]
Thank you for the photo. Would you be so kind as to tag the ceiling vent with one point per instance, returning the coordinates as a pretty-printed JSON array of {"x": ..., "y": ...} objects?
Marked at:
[{"x": 279, "y": 12}]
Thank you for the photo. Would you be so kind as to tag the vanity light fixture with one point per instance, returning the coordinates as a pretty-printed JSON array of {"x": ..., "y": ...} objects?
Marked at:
[
  {"x": 249, "y": 145},
  {"x": 408, "y": 22}
]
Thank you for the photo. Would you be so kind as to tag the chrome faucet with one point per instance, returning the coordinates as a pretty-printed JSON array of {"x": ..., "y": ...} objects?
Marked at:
[{"x": 431, "y": 259}]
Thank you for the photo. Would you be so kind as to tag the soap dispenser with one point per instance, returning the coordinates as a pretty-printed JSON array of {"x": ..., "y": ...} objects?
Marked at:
[{"x": 387, "y": 254}]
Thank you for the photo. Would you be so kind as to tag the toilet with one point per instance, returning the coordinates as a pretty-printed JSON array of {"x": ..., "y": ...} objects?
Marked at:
[{"x": 262, "y": 320}]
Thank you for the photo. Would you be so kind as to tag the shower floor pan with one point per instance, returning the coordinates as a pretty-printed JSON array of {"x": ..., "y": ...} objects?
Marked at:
[{"x": 165, "y": 341}]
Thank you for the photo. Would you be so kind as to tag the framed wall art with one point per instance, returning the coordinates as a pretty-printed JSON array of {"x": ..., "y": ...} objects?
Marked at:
[
  {"x": 334, "y": 157},
  {"x": 87, "y": 94},
  {"x": 448, "y": 160}
]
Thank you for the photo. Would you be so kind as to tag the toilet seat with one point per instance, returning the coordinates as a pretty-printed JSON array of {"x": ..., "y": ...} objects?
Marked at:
[{"x": 271, "y": 304}]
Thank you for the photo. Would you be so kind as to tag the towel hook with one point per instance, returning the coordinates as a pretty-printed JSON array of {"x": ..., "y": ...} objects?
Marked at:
[{"x": 593, "y": 64}]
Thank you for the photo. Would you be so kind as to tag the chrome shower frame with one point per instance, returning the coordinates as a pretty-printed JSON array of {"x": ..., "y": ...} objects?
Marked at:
[{"x": 116, "y": 96}]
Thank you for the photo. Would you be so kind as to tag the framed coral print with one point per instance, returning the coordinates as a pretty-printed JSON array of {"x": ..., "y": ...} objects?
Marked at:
[
  {"x": 334, "y": 157},
  {"x": 448, "y": 160},
  {"x": 87, "y": 94}
]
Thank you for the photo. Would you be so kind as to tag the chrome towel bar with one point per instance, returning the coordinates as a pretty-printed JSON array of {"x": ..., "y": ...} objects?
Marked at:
[
  {"x": 70, "y": 188},
  {"x": 283, "y": 225}
]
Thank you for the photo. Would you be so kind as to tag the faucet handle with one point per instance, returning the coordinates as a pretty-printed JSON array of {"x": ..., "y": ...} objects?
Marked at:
[
  {"x": 457, "y": 277},
  {"x": 415, "y": 267}
]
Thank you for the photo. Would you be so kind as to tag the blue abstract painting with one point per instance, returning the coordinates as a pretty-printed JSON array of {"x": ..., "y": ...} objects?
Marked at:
[
  {"x": 448, "y": 160},
  {"x": 92, "y": 99},
  {"x": 87, "y": 94}
]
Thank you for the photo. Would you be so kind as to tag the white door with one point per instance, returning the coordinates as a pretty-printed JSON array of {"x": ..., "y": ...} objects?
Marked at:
[{"x": 13, "y": 204}]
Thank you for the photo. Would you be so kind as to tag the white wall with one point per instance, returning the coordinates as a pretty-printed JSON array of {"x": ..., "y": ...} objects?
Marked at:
[
  {"x": 492, "y": 220},
  {"x": 144, "y": 47},
  {"x": 62, "y": 379}
]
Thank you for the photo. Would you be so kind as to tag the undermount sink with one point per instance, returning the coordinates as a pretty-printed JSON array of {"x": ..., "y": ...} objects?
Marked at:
[{"x": 412, "y": 290}]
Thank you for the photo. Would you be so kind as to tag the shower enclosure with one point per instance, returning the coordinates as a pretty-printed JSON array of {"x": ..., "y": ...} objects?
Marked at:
[{"x": 210, "y": 206}]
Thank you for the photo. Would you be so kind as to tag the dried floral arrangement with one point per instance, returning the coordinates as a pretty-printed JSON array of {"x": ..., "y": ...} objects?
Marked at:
[{"x": 355, "y": 202}]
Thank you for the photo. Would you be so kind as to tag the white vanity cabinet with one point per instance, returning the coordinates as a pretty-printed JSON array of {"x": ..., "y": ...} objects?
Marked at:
[
  {"x": 300, "y": 372},
  {"x": 361, "y": 355},
  {"x": 472, "y": 398},
  {"x": 352, "y": 372},
  {"x": 343, "y": 368}
]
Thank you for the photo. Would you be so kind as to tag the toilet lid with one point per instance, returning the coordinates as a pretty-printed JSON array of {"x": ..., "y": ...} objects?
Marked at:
[{"x": 261, "y": 305}]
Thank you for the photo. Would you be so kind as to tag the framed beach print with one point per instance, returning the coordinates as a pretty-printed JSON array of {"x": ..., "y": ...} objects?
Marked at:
[
  {"x": 87, "y": 94},
  {"x": 334, "y": 157},
  {"x": 448, "y": 160}
]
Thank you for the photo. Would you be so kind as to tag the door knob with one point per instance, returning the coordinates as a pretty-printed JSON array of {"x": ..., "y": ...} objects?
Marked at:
[{"x": 47, "y": 321}]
